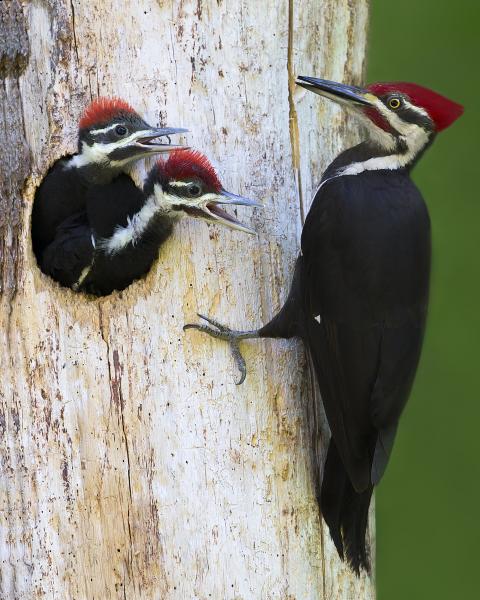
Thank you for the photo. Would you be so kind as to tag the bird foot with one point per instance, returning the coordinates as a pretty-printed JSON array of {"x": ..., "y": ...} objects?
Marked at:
[{"x": 221, "y": 332}]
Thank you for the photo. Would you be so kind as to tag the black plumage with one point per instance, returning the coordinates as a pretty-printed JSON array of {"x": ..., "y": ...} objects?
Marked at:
[
  {"x": 111, "y": 137},
  {"x": 359, "y": 297},
  {"x": 116, "y": 238},
  {"x": 80, "y": 241},
  {"x": 60, "y": 196}
]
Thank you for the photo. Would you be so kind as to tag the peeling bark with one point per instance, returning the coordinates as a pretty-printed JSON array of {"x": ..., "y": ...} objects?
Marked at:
[{"x": 131, "y": 465}]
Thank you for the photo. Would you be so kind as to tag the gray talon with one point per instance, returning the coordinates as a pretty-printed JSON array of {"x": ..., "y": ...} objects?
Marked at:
[{"x": 222, "y": 332}]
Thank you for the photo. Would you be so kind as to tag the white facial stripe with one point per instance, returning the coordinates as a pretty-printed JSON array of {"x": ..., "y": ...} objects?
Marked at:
[
  {"x": 414, "y": 138},
  {"x": 179, "y": 183},
  {"x": 402, "y": 127},
  {"x": 104, "y": 130},
  {"x": 98, "y": 153},
  {"x": 417, "y": 109}
]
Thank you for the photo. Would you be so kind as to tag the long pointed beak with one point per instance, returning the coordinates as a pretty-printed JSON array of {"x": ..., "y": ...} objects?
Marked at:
[
  {"x": 148, "y": 139},
  {"x": 218, "y": 215},
  {"x": 340, "y": 92},
  {"x": 238, "y": 200}
]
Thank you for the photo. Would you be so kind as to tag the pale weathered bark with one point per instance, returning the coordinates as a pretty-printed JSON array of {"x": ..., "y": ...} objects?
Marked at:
[{"x": 131, "y": 464}]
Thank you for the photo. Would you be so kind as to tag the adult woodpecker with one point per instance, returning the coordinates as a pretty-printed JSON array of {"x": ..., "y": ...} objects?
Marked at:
[
  {"x": 360, "y": 291},
  {"x": 111, "y": 137},
  {"x": 117, "y": 239}
]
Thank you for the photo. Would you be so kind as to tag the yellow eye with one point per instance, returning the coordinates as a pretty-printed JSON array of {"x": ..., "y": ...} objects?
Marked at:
[{"x": 394, "y": 103}]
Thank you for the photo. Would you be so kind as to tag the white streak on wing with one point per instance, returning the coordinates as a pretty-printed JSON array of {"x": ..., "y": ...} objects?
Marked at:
[
  {"x": 322, "y": 183},
  {"x": 82, "y": 277},
  {"x": 86, "y": 270},
  {"x": 318, "y": 319}
]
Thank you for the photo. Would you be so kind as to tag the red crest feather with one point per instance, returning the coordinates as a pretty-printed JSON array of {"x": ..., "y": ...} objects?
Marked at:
[
  {"x": 188, "y": 164},
  {"x": 103, "y": 110},
  {"x": 442, "y": 111}
]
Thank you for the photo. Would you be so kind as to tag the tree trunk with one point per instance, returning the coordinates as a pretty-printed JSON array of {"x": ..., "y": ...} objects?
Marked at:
[{"x": 132, "y": 466}]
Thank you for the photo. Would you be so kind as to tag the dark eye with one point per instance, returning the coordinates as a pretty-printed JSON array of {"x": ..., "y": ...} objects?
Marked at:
[
  {"x": 194, "y": 190},
  {"x": 394, "y": 103},
  {"x": 120, "y": 130}
]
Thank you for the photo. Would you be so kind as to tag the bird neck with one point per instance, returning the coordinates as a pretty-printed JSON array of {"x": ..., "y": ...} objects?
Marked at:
[
  {"x": 151, "y": 224},
  {"x": 93, "y": 173},
  {"x": 382, "y": 153}
]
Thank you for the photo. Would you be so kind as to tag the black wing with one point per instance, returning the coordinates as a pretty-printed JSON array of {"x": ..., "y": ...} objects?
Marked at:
[
  {"x": 60, "y": 196},
  {"x": 366, "y": 249},
  {"x": 71, "y": 251}
]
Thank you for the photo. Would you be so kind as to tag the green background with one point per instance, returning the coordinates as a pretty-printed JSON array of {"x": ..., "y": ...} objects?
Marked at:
[{"x": 428, "y": 505}]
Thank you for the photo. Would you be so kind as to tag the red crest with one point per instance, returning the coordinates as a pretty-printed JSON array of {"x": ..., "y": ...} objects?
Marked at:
[
  {"x": 442, "y": 111},
  {"x": 188, "y": 164},
  {"x": 103, "y": 110}
]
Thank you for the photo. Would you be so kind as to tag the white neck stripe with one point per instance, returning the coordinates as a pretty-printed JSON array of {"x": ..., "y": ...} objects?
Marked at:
[{"x": 137, "y": 225}]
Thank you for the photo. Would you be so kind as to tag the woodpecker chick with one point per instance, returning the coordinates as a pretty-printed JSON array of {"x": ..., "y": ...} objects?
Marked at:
[
  {"x": 359, "y": 293},
  {"x": 111, "y": 137},
  {"x": 118, "y": 237}
]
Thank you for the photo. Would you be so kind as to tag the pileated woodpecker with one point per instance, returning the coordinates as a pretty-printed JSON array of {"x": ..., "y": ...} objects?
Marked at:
[
  {"x": 117, "y": 238},
  {"x": 111, "y": 137},
  {"x": 360, "y": 292}
]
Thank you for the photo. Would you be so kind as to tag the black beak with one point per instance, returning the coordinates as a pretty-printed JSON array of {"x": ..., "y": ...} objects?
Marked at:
[{"x": 340, "y": 92}]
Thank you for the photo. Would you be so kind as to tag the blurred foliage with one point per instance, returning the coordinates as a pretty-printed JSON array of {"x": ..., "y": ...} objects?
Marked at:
[{"x": 428, "y": 505}]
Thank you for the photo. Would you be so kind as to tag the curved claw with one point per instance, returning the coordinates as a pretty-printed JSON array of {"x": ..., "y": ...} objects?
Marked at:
[
  {"x": 216, "y": 324},
  {"x": 239, "y": 361}
]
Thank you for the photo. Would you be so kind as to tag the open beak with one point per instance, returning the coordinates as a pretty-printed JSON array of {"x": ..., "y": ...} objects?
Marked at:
[
  {"x": 149, "y": 141},
  {"x": 213, "y": 212},
  {"x": 340, "y": 92}
]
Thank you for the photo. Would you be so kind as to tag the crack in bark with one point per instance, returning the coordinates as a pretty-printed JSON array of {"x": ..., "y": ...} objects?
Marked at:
[
  {"x": 73, "y": 29},
  {"x": 116, "y": 395},
  {"x": 292, "y": 114}
]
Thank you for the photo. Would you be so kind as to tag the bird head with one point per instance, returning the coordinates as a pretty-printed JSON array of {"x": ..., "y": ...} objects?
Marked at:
[
  {"x": 187, "y": 185},
  {"x": 397, "y": 115},
  {"x": 112, "y": 135}
]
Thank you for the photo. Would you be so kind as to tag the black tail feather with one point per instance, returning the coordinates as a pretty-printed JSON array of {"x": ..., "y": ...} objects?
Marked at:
[{"x": 345, "y": 511}]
